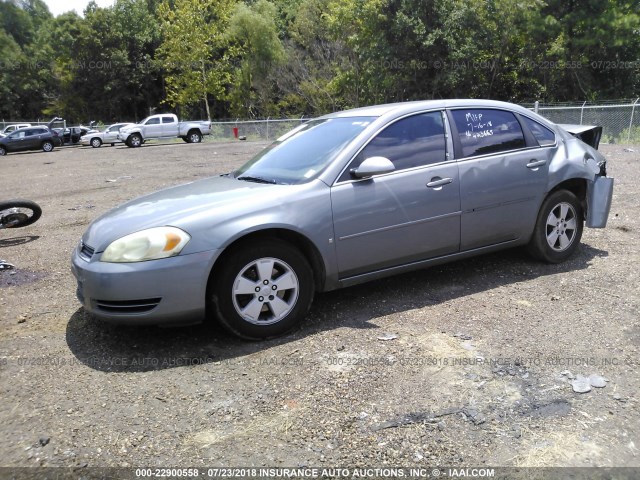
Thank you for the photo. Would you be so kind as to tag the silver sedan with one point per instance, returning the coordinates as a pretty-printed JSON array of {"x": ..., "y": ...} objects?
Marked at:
[
  {"x": 108, "y": 135},
  {"x": 343, "y": 199}
]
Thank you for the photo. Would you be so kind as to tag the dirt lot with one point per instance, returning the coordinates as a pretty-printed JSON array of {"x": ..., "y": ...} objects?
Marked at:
[{"x": 459, "y": 365}]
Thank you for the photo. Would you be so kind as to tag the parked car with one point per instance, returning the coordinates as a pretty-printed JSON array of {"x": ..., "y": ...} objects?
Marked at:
[
  {"x": 108, "y": 135},
  {"x": 72, "y": 135},
  {"x": 12, "y": 128},
  {"x": 346, "y": 198},
  {"x": 165, "y": 125},
  {"x": 30, "y": 138}
]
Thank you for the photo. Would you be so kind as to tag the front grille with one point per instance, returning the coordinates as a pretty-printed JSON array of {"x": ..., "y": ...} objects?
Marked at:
[
  {"x": 86, "y": 252},
  {"x": 128, "y": 306}
]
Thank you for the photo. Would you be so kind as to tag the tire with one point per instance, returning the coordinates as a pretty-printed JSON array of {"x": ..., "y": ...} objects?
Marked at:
[
  {"x": 245, "y": 295},
  {"x": 194, "y": 136},
  {"x": 96, "y": 142},
  {"x": 19, "y": 213},
  {"x": 47, "y": 146},
  {"x": 3, "y": 151},
  {"x": 185, "y": 139},
  {"x": 558, "y": 228},
  {"x": 134, "y": 140}
]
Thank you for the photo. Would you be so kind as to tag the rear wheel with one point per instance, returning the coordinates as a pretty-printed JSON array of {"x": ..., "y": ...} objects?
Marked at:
[
  {"x": 558, "y": 228},
  {"x": 47, "y": 146},
  {"x": 262, "y": 289},
  {"x": 3, "y": 151},
  {"x": 194, "y": 137},
  {"x": 96, "y": 142}
]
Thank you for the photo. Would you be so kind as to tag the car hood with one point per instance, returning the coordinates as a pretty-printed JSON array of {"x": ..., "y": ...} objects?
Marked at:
[{"x": 182, "y": 206}]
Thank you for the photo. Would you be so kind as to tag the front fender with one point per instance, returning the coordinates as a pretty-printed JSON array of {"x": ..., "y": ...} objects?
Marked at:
[{"x": 126, "y": 135}]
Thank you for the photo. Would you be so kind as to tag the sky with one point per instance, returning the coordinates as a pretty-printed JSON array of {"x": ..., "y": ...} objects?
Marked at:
[{"x": 61, "y": 6}]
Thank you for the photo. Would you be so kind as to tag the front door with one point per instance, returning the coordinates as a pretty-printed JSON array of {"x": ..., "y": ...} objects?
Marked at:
[
  {"x": 153, "y": 128},
  {"x": 408, "y": 215}
]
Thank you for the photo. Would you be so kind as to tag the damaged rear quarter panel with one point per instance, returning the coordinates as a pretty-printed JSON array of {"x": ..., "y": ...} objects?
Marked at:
[{"x": 574, "y": 159}]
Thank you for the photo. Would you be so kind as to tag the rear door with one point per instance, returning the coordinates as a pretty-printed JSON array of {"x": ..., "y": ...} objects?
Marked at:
[
  {"x": 32, "y": 138},
  {"x": 503, "y": 176},
  {"x": 408, "y": 215},
  {"x": 111, "y": 134},
  {"x": 169, "y": 126}
]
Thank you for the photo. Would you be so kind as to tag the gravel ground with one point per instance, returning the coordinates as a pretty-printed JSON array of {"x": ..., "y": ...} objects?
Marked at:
[{"x": 467, "y": 364}]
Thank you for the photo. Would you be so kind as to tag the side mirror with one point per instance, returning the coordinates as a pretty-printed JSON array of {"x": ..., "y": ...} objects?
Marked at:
[{"x": 373, "y": 166}]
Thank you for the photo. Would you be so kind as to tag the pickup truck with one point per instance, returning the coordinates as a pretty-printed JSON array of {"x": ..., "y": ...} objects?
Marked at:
[
  {"x": 165, "y": 125},
  {"x": 12, "y": 128}
]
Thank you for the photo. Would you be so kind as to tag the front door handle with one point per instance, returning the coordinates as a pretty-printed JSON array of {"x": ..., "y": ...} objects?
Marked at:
[
  {"x": 439, "y": 182},
  {"x": 536, "y": 163}
]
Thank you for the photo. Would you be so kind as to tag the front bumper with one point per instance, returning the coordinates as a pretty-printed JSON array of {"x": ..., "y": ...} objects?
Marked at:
[{"x": 166, "y": 291}]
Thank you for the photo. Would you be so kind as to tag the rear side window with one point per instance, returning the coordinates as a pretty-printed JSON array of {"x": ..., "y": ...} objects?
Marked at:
[
  {"x": 484, "y": 131},
  {"x": 167, "y": 120},
  {"x": 543, "y": 135}
]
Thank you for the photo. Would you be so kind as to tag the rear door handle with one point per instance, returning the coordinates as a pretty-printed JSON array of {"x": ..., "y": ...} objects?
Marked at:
[
  {"x": 439, "y": 182},
  {"x": 536, "y": 163}
]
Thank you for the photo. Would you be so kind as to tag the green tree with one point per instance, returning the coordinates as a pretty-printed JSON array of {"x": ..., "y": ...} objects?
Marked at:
[
  {"x": 194, "y": 50},
  {"x": 253, "y": 30},
  {"x": 359, "y": 25}
]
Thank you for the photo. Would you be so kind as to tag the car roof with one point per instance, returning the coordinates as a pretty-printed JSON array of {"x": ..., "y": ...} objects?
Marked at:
[
  {"x": 30, "y": 127},
  {"x": 415, "y": 106}
]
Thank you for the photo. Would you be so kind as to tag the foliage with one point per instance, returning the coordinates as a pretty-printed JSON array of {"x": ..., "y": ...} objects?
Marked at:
[
  {"x": 253, "y": 29},
  {"x": 262, "y": 58},
  {"x": 193, "y": 51}
]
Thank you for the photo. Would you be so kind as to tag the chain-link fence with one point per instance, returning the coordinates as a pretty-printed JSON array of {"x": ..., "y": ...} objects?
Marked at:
[
  {"x": 267, "y": 130},
  {"x": 620, "y": 120}
]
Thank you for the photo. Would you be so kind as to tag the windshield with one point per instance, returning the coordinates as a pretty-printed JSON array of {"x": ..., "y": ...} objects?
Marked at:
[{"x": 301, "y": 154}]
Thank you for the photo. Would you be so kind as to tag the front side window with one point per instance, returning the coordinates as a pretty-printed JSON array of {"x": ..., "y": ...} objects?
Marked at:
[
  {"x": 153, "y": 121},
  {"x": 300, "y": 155},
  {"x": 485, "y": 131},
  {"x": 410, "y": 142}
]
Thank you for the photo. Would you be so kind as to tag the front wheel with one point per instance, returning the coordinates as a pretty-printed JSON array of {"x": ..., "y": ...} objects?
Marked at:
[
  {"x": 3, "y": 151},
  {"x": 558, "y": 228},
  {"x": 134, "y": 140},
  {"x": 19, "y": 213},
  {"x": 96, "y": 142},
  {"x": 47, "y": 146},
  {"x": 262, "y": 289}
]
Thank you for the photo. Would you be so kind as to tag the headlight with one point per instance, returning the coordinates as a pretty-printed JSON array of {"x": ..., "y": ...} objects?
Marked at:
[{"x": 151, "y": 244}]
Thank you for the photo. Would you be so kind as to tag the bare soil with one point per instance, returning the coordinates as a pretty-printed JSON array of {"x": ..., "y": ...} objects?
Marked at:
[{"x": 466, "y": 364}]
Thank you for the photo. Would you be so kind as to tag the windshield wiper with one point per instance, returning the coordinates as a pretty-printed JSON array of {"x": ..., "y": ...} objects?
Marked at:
[{"x": 249, "y": 178}]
